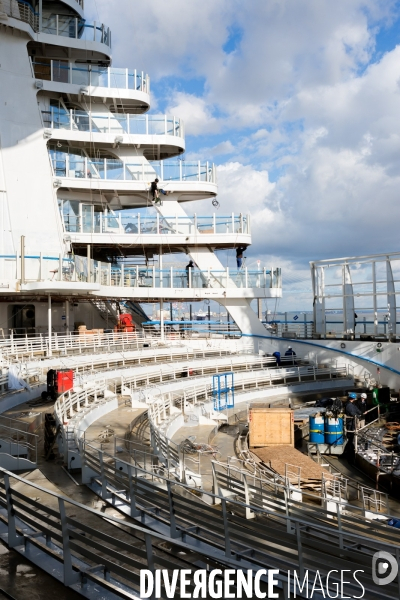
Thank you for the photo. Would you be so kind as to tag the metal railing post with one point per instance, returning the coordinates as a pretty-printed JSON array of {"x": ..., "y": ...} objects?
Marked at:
[
  {"x": 132, "y": 497},
  {"x": 104, "y": 493},
  {"x": 172, "y": 522},
  {"x": 299, "y": 550},
  {"x": 226, "y": 528},
  {"x": 70, "y": 576},
  {"x": 149, "y": 552},
  {"x": 13, "y": 538},
  {"x": 339, "y": 521}
]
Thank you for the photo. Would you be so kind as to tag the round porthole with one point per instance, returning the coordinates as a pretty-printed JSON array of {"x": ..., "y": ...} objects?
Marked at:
[
  {"x": 343, "y": 345},
  {"x": 379, "y": 345}
]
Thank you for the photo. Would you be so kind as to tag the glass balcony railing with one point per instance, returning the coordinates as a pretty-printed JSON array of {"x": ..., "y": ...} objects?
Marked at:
[
  {"x": 120, "y": 275},
  {"x": 79, "y": 120},
  {"x": 62, "y": 25},
  {"x": 22, "y": 11},
  {"x": 81, "y": 269},
  {"x": 81, "y": 167},
  {"x": 96, "y": 222},
  {"x": 76, "y": 28},
  {"x": 89, "y": 75}
]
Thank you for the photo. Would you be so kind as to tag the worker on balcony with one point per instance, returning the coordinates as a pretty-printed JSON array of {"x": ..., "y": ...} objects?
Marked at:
[
  {"x": 239, "y": 256},
  {"x": 189, "y": 269},
  {"x": 155, "y": 192},
  {"x": 290, "y": 354}
]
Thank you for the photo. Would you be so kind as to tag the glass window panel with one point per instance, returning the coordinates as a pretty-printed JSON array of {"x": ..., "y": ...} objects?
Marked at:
[
  {"x": 99, "y": 76},
  {"x": 80, "y": 74},
  {"x": 118, "y": 78},
  {"x": 137, "y": 124}
]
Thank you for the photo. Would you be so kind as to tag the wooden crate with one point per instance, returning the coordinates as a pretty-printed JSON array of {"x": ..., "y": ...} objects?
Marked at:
[{"x": 271, "y": 427}]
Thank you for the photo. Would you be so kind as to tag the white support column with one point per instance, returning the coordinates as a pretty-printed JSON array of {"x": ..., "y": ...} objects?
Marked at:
[
  {"x": 49, "y": 325},
  {"x": 88, "y": 263},
  {"x": 162, "y": 320},
  {"x": 391, "y": 298},
  {"x": 374, "y": 297},
  {"x": 348, "y": 300},
  {"x": 67, "y": 316},
  {"x": 160, "y": 263}
]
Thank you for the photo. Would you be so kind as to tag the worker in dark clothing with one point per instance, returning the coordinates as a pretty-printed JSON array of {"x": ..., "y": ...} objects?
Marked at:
[
  {"x": 239, "y": 256},
  {"x": 277, "y": 358},
  {"x": 290, "y": 353},
  {"x": 155, "y": 192},
  {"x": 353, "y": 413},
  {"x": 189, "y": 269}
]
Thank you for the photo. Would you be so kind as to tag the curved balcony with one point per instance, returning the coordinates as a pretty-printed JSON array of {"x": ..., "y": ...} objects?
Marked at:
[
  {"x": 188, "y": 180},
  {"x": 144, "y": 283},
  {"x": 159, "y": 136},
  {"x": 20, "y": 10},
  {"x": 76, "y": 28},
  {"x": 97, "y": 36},
  {"x": 128, "y": 89},
  {"x": 137, "y": 230}
]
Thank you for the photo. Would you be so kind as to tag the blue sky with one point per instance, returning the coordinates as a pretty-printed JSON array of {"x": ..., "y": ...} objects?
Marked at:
[{"x": 296, "y": 101}]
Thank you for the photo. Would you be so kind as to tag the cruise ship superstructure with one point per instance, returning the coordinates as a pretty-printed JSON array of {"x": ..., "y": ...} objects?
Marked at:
[
  {"x": 142, "y": 435},
  {"x": 78, "y": 155}
]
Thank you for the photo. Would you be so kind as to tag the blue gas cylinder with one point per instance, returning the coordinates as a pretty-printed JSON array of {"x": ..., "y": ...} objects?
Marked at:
[
  {"x": 334, "y": 432},
  {"x": 317, "y": 428}
]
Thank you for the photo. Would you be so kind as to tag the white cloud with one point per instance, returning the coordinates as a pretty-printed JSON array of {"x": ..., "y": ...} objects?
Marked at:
[
  {"x": 299, "y": 102},
  {"x": 195, "y": 113}
]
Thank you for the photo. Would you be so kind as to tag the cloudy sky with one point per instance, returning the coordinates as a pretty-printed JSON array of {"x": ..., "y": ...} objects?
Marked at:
[{"x": 296, "y": 101}]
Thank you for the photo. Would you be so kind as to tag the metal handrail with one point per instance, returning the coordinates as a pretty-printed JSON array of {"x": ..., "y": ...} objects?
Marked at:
[
  {"x": 94, "y": 76},
  {"x": 130, "y": 170},
  {"x": 73, "y": 342},
  {"x": 339, "y": 532},
  {"x": 112, "y": 123},
  {"x": 138, "y": 224},
  {"x": 94, "y": 552}
]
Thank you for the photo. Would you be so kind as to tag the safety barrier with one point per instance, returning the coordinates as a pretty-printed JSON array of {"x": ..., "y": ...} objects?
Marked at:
[
  {"x": 86, "y": 549},
  {"x": 42, "y": 345},
  {"x": 303, "y": 538},
  {"x": 86, "y": 74}
]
